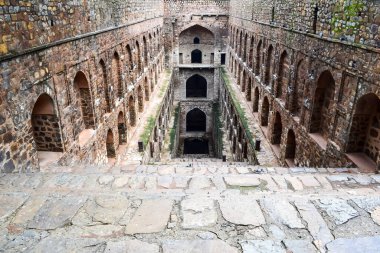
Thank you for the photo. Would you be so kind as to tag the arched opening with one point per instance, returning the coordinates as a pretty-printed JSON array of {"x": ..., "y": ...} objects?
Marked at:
[
  {"x": 132, "y": 111},
  {"x": 249, "y": 90},
  {"x": 195, "y": 146},
  {"x": 196, "y": 56},
  {"x": 111, "y": 152},
  {"x": 277, "y": 130},
  {"x": 258, "y": 58},
  {"x": 283, "y": 74},
  {"x": 146, "y": 88},
  {"x": 197, "y": 40},
  {"x": 196, "y": 87},
  {"x": 145, "y": 51},
  {"x": 196, "y": 121},
  {"x": 122, "y": 128},
  {"x": 365, "y": 127},
  {"x": 83, "y": 89},
  {"x": 104, "y": 85},
  {"x": 297, "y": 101},
  {"x": 139, "y": 65},
  {"x": 116, "y": 74},
  {"x": 129, "y": 57},
  {"x": 140, "y": 99},
  {"x": 265, "y": 112},
  {"x": 244, "y": 81},
  {"x": 245, "y": 47},
  {"x": 268, "y": 66},
  {"x": 250, "y": 57},
  {"x": 241, "y": 44},
  {"x": 45, "y": 125},
  {"x": 290, "y": 152},
  {"x": 323, "y": 98},
  {"x": 256, "y": 100}
]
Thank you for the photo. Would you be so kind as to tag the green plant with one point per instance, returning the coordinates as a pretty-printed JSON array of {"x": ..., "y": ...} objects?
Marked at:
[
  {"x": 173, "y": 130},
  {"x": 240, "y": 111}
]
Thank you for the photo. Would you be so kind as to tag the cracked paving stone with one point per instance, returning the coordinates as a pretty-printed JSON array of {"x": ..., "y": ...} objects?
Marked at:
[
  {"x": 165, "y": 182},
  {"x": 242, "y": 210},
  {"x": 197, "y": 246},
  {"x": 198, "y": 212},
  {"x": 337, "y": 209},
  {"x": 151, "y": 217},
  {"x": 355, "y": 245},
  {"x": 132, "y": 246},
  {"x": 9, "y": 203},
  {"x": 107, "y": 209},
  {"x": 56, "y": 212},
  {"x": 29, "y": 209},
  {"x": 367, "y": 203},
  {"x": 299, "y": 246},
  {"x": 309, "y": 181},
  {"x": 120, "y": 182},
  {"x": 315, "y": 223},
  {"x": 375, "y": 215},
  {"x": 282, "y": 211},
  {"x": 262, "y": 246},
  {"x": 65, "y": 245}
]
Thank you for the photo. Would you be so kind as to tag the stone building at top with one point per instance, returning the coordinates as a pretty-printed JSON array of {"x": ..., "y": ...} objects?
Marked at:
[{"x": 77, "y": 79}]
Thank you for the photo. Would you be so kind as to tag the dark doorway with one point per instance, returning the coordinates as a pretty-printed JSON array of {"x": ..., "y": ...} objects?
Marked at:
[
  {"x": 196, "y": 87},
  {"x": 196, "y": 56},
  {"x": 223, "y": 59},
  {"x": 196, "y": 121},
  {"x": 195, "y": 147}
]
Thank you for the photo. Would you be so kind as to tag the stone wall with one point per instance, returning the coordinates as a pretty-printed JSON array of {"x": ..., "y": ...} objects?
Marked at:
[
  {"x": 257, "y": 61},
  {"x": 47, "y": 135},
  {"x": 354, "y": 21},
  {"x": 30, "y": 24},
  {"x": 51, "y": 69}
]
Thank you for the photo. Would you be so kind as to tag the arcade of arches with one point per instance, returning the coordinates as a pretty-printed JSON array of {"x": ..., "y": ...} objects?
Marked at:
[{"x": 306, "y": 96}]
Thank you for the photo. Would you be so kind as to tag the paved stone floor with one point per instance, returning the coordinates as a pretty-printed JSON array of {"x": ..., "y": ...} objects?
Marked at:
[{"x": 190, "y": 207}]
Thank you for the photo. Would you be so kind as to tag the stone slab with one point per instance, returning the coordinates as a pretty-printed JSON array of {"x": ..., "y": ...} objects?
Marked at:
[
  {"x": 244, "y": 181},
  {"x": 197, "y": 183},
  {"x": 299, "y": 246},
  {"x": 197, "y": 246},
  {"x": 131, "y": 246},
  {"x": 309, "y": 181},
  {"x": 151, "y": 217},
  {"x": 65, "y": 245},
  {"x": 367, "y": 203},
  {"x": 29, "y": 210},
  {"x": 198, "y": 212},
  {"x": 262, "y": 246},
  {"x": 56, "y": 212},
  {"x": 9, "y": 203},
  {"x": 315, "y": 222},
  {"x": 355, "y": 245},
  {"x": 242, "y": 210},
  {"x": 282, "y": 211},
  {"x": 337, "y": 209}
]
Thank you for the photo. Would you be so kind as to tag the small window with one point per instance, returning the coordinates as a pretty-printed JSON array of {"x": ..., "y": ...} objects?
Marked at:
[
  {"x": 223, "y": 59},
  {"x": 196, "y": 40}
]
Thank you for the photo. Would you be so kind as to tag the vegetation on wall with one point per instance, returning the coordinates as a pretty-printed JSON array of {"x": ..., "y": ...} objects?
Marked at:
[
  {"x": 218, "y": 127},
  {"x": 173, "y": 130},
  {"x": 346, "y": 17},
  {"x": 239, "y": 110}
]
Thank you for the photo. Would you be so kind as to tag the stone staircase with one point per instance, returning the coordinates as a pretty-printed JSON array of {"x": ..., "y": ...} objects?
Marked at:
[{"x": 190, "y": 206}]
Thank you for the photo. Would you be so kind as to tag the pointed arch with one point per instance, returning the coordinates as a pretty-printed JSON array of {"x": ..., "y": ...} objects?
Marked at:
[
  {"x": 45, "y": 125},
  {"x": 82, "y": 88}
]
